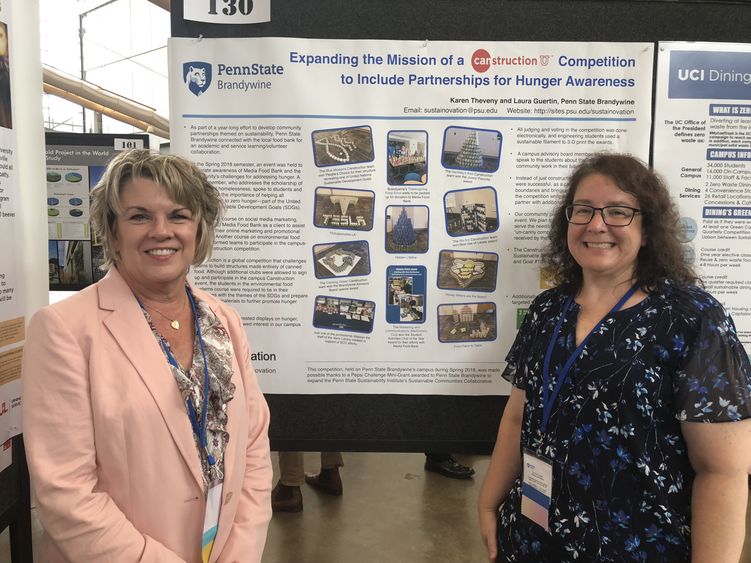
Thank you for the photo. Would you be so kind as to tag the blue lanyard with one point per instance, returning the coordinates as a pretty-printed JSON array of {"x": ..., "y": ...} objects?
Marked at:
[
  {"x": 198, "y": 429},
  {"x": 547, "y": 398}
]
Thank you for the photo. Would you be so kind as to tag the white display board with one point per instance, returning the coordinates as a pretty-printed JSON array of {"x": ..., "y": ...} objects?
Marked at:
[
  {"x": 702, "y": 147},
  {"x": 387, "y": 200},
  {"x": 12, "y": 304}
]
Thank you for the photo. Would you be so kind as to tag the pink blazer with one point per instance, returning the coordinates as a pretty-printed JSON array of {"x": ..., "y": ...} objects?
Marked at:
[{"x": 110, "y": 448}]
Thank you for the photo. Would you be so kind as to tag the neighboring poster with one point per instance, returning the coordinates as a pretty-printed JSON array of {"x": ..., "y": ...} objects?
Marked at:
[
  {"x": 75, "y": 163},
  {"x": 12, "y": 318},
  {"x": 702, "y": 147},
  {"x": 387, "y": 200}
]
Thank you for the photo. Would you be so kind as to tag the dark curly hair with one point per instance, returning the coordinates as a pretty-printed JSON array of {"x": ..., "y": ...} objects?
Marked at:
[{"x": 662, "y": 257}]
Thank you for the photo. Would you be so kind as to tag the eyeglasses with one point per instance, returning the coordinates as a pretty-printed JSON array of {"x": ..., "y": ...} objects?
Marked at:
[{"x": 612, "y": 215}]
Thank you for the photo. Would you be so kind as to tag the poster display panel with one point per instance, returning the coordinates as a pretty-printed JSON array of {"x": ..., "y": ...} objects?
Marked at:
[
  {"x": 702, "y": 147},
  {"x": 355, "y": 170},
  {"x": 75, "y": 163},
  {"x": 12, "y": 314}
]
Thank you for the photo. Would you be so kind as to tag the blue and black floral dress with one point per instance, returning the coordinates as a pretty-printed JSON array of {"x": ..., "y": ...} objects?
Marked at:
[{"x": 621, "y": 475}]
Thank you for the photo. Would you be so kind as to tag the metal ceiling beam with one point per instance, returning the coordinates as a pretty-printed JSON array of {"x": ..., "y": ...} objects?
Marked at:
[{"x": 108, "y": 103}]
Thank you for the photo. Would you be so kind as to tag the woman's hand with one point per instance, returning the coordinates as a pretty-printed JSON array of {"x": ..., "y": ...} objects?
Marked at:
[{"x": 488, "y": 532}]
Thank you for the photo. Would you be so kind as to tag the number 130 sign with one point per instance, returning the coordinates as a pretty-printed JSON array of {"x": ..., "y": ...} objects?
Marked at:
[{"x": 227, "y": 11}]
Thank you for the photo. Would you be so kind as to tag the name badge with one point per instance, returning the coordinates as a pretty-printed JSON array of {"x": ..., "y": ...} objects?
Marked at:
[
  {"x": 537, "y": 488},
  {"x": 211, "y": 519}
]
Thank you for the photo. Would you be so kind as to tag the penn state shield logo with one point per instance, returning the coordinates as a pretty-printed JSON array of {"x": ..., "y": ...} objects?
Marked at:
[{"x": 197, "y": 76}]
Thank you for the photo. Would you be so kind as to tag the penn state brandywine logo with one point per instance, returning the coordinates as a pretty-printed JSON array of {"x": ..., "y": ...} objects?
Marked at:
[{"x": 197, "y": 76}]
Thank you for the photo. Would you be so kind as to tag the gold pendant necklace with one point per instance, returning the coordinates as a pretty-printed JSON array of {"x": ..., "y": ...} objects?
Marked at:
[{"x": 174, "y": 323}]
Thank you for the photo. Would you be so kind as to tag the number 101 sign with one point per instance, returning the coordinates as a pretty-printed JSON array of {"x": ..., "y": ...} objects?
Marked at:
[{"x": 227, "y": 11}]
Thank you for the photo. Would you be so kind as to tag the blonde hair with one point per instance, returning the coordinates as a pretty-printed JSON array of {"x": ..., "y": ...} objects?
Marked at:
[{"x": 184, "y": 182}]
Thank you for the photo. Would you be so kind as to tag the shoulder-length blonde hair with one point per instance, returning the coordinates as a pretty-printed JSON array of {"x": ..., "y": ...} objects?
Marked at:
[{"x": 184, "y": 182}]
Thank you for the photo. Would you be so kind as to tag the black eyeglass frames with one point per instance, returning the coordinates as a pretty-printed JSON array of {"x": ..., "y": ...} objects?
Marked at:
[{"x": 612, "y": 215}]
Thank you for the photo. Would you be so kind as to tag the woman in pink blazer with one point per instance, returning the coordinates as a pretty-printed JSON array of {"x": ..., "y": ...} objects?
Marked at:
[{"x": 128, "y": 460}]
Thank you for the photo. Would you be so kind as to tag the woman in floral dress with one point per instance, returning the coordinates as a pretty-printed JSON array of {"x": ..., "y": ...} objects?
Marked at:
[{"x": 626, "y": 436}]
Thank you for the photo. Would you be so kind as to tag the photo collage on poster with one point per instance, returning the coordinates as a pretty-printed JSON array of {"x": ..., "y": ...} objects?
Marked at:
[
  {"x": 466, "y": 212},
  {"x": 74, "y": 258}
]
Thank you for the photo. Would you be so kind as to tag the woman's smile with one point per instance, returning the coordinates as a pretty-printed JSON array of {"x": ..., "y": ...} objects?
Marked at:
[
  {"x": 601, "y": 249},
  {"x": 154, "y": 236}
]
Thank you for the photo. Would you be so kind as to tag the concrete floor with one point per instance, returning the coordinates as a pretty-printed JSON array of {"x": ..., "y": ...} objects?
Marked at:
[{"x": 391, "y": 511}]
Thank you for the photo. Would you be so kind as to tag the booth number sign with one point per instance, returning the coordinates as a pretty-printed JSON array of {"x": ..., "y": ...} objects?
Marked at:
[
  {"x": 227, "y": 11},
  {"x": 127, "y": 144}
]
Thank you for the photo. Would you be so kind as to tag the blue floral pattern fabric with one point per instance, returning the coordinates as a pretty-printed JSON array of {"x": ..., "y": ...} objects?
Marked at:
[{"x": 621, "y": 475}]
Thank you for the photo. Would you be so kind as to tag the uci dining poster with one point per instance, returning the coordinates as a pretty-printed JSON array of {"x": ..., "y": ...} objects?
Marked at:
[
  {"x": 387, "y": 200},
  {"x": 702, "y": 146}
]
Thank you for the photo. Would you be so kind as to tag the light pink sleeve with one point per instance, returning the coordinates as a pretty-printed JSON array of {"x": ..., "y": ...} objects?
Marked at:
[
  {"x": 83, "y": 524},
  {"x": 248, "y": 535}
]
